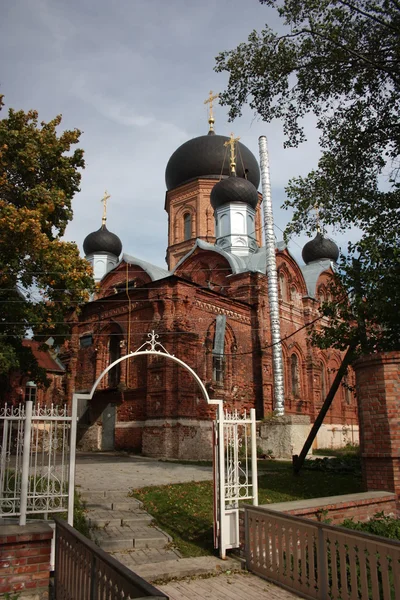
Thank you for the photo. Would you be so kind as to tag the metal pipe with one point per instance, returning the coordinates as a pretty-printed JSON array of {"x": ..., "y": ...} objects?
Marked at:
[{"x": 273, "y": 296}]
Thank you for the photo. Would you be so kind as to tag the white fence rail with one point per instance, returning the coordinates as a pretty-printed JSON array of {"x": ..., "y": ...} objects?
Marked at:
[{"x": 37, "y": 460}]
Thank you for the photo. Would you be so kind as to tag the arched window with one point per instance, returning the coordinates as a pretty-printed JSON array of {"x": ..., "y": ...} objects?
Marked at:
[
  {"x": 295, "y": 375},
  {"x": 282, "y": 286},
  {"x": 323, "y": 382},
  {"x": 187, "y": 226},
  {"x": 114, "y": 349},
  {"x": 347, "y": 391}
]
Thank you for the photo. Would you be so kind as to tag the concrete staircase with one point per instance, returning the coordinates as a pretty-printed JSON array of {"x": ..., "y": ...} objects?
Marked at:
[{"x": 121, "y": 527}]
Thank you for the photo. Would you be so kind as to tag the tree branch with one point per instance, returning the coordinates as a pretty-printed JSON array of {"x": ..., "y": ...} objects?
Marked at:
[{"x": 368, "y": 15}]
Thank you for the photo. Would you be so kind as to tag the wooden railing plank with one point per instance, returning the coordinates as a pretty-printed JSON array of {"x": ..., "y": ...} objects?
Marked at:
[
  {"x": 85, "y": 571},
  {"x": 295, "y": 549}
]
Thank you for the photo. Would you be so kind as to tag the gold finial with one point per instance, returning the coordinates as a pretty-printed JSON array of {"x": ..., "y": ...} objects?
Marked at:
[
  {"x": 104, "y": 201},
  {"x": 210, "y": 101},
  {"x": 232, "y": 143}
]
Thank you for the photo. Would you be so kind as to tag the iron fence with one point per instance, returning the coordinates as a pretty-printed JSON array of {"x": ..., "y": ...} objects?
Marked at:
[{"x": 37, "y": 460}]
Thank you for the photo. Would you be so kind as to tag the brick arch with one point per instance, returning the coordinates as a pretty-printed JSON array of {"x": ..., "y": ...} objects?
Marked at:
[
  {"x": 323, "y": 282},
  {"x": 207, "y": 268},
  {"x": 115, "y": 281},
  {"x": 178, "y": 225},
  {"x": 291, "y": 269}
]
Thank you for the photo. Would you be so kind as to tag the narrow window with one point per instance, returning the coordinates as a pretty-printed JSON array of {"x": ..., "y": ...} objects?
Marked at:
[
  {"x": 187, "y": 226},
  {"x": 114, "y": 375},
  {"x": 282, "y": 286},
  {"x": 30, "y": 391},
  {"x": 218, "y": 350},
  {"x": 86, "y": 340},
  {"x": 294, "y": 366},
  {"x": 347, "y": 392},
  {"x": 323, "y": 382},
  {"x": 218, "y": 369}
]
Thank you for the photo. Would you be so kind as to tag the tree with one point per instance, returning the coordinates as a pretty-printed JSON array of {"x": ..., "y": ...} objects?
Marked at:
[
  {"x": 339, "y": 60},
  {"x": 42, "y": 278}
]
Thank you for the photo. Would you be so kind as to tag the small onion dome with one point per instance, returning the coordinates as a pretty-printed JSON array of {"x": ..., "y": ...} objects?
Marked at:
[
  {"x": 233, "y": 189},
  {"x": 320, "y": 248},
  {"x": 102, "y": 240},
  {"x": 203, "y": 157}
]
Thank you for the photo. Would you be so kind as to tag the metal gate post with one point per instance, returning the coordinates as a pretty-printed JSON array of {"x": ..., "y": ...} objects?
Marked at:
[
  {"x": 3, "y": 459},
  {"x": 254, "y": 474},
  {"x": 221, "y": 481},
  {"x": 72, "y": 458},
  {"x": 25, "y": 461}
]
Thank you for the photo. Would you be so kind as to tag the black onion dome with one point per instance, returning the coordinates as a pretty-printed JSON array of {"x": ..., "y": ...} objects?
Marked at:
[
  {"x": 102, "y": 240},
  {"x": 204, "y": 156},
  {"x": 320, "y": 248},
  {"x": 233, "y": 189}
]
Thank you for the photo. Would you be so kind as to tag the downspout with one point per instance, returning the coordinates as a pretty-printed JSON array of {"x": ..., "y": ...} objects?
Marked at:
[{"x": 273, "y": 296}]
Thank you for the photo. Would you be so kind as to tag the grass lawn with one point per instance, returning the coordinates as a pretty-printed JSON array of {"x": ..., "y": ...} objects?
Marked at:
[{"x": 185, "y": 510}]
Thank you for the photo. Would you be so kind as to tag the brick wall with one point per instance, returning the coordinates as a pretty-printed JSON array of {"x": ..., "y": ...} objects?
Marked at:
[
  {"x": 25, "y": 560},
  {"x": 378, "y": 396}
]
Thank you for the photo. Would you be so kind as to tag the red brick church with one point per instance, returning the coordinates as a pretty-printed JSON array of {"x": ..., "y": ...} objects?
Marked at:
[{"x": 210, "y": 308}]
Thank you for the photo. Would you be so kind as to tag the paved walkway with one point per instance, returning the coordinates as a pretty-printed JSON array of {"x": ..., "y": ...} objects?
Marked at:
[
  {"x": 124, "y": 529},
  {"x": 110, "y": 471},
  {"x": 238, "y": 586}
]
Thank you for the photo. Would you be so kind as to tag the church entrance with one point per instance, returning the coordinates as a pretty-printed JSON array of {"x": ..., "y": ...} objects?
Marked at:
[{"x": 108, "y": 429}]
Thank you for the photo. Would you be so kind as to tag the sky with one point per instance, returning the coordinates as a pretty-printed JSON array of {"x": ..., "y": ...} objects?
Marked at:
[{"x": 133, "y": 75}]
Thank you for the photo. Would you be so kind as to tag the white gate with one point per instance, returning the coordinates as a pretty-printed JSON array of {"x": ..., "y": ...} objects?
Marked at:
[
  {"x": 37, "y": 460},
  {"x": 235, "y": 473},
  {"x": 233, "y": 452}
]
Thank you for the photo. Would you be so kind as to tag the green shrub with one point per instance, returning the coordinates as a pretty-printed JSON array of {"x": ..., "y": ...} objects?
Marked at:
[
  {"x": 344, "y": 464},
  {"x": 380, "y": 524}
]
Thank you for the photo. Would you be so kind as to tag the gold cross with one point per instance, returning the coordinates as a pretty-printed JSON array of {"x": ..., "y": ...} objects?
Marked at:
[
  {"x": 210, "y": 101},
  {"x": 104, "y": 201},
  {"x": 232, "y": 143}
]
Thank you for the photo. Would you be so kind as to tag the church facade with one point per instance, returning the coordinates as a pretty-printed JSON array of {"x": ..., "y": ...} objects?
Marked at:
[{"x": 210, "y": 309}]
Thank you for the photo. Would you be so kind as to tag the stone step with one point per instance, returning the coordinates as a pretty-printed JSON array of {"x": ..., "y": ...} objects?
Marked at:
[
  {"x": 118, "y": 518},
  {"x": 104, "y": 504},
  {"x": 185, "y": 567},
  {"x": 144, "y": 556},
  {"x": 113, "y": 538}
]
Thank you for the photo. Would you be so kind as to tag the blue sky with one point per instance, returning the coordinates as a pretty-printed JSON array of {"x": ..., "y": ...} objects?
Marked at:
[{"x": 133, "y": 76}]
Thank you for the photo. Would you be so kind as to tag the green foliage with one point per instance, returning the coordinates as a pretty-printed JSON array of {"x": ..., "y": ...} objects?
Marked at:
[
  {"x": 349, "y": 463},
  {"x": 337, "y": 60},
  {"x": 348, "y": 450},
  {"x": 80, "y": 522},
  {"x": 42, "y": 278},
  {"x": 185, "y": 510},
  {"x": 380, "y": 524}
]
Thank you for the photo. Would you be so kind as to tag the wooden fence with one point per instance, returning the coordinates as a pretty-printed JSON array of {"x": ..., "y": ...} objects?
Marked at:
[
  {"x": 316, "y": 560},
  {"x": 83, "y": 571}
]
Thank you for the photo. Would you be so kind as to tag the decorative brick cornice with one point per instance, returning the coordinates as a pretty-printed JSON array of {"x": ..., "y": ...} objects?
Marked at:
[{"x": 218, "y": 310}]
